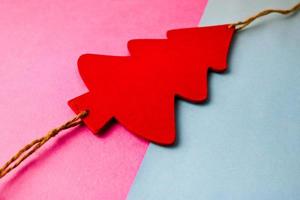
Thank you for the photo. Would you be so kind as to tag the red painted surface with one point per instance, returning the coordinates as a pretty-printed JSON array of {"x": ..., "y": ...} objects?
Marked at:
[{"x": 139, "y": 90}]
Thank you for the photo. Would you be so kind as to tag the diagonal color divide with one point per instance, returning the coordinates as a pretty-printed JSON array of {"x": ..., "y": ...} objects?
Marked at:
[
  {"x": 245, "y": 142},
  {"x": 40, "y": 44}
]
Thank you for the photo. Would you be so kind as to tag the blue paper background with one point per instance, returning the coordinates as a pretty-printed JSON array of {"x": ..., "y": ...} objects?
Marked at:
[{"x": 244, "y": 143}]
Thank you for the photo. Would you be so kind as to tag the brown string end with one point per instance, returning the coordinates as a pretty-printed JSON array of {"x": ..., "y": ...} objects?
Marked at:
[
  {"x": 242, "y": 24},
  {"x": 32, "y": 147}
]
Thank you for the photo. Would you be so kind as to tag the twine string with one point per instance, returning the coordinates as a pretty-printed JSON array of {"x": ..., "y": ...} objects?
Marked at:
[
  {"x": 243, "y": 24},
  {"x": 32, "y": 147}
]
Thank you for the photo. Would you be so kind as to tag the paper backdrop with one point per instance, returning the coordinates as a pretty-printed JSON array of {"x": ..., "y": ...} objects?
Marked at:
[
  {"x": 244, "y": 143},
  {"x": 40, "y": 43}
]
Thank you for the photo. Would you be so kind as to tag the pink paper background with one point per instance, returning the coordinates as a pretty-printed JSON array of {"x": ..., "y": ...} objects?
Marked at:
[{"x": 40, "y": 43}]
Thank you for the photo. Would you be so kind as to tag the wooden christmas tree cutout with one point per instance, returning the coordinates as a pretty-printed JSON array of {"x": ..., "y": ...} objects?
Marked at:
[{"x": 139, "y": 90}]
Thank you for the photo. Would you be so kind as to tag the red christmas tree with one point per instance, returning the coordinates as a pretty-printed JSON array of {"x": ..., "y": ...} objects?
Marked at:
[{"x": 139, "y": 90}]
